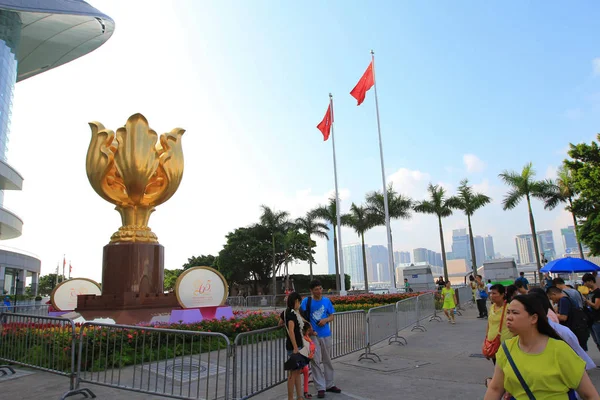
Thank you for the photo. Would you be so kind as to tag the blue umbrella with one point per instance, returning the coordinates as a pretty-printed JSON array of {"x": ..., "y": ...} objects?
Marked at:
[{"x": 569, "y": 265}]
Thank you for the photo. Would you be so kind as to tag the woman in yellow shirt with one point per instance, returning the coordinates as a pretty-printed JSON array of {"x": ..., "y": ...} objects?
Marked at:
[
  {"x": 549, "y": 367},
  {"x": 497, "y": 318}
]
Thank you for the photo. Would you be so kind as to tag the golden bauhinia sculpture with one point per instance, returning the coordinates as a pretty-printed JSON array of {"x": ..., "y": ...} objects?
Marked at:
[{"x": 135, "y": 171}]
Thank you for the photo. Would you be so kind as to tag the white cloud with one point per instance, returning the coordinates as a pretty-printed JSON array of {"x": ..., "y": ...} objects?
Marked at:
[
  {"x": 410, "y": 182},
  {"x": 473, "y": 163},
  {"x": 596, "y": 65}
]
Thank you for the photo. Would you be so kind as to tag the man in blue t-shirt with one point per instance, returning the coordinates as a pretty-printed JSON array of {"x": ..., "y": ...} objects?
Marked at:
[
  {"x": 523, "y": 280},
  {"x": 320, "y": 312}
]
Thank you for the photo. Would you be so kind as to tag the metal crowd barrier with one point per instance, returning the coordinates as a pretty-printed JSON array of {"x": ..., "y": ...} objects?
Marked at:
[
  {"x": 407, "y": 314},
  {"x": 381, "y": 325},
  {"x": 348, "y": 332},
  {"x": 258, "y": 358},
  {"x": 236, "y": 301},
  {"x": 23, "y": 342},
  {"x": 167, "y": 362},
  {"x": 260, "y": 301},
  {"x": 40, "y": 310},
  {"x": 425, "y": 309}
]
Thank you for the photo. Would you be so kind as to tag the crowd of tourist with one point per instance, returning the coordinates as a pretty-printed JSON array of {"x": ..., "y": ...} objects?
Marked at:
[{"x": 537, "y": 338}]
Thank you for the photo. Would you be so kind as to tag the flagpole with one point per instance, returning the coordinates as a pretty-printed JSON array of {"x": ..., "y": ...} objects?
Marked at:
[
  {"x": 342, "y": 276},
  {"x": 385, "y": 192},
  {"x": 69, "y": 269}
]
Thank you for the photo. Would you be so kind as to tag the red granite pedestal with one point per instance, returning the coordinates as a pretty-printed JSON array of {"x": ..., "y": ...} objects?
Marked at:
[{"x": 132, "y": 285}]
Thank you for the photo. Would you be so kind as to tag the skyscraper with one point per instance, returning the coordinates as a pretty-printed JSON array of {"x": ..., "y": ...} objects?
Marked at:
[
  {"x": 420, "y": 255},
  {"x": 546, "y": 244},
  {"x": 353, "y": 263},
  {"x": 489, "y": 248},
  {"x": 461, "y": 247},
  {"x": 479, "y": 250},
  {"x": 438, "y": 260},
  {"x": 379, "y": 262},
  {"x": 526, "y": 250},
  {"x": 569, "y": 239},
  {"x": 405, "y": 257}
]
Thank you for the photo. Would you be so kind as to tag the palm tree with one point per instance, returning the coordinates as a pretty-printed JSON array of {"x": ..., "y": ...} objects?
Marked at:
[
  {"x": 399, "y": 208},
  {"x": 328, "y": 213},
  {"x": 361, "y": 221},
  {"x": 564, "y": 192},
  {"x": 311, "y": 226},
  {"x": 276, "y": 222},
  {"x": 469, "y": 202},
  {"x": 522, "y": 186},
  {"x": 440, "y": 205}
]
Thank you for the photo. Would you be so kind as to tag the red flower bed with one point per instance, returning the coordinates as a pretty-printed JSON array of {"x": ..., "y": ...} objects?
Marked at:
[{"x": 378, "y": 299}]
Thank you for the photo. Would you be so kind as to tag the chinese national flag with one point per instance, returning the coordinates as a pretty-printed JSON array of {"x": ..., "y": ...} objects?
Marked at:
[
  {"x": 364, "y": 84},
  {"x": 70, "y": 267},
  {"x": 325, "y": 125}
]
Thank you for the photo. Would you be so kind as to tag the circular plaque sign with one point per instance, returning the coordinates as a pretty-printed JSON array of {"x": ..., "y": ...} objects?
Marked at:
[
  {"x": 64, "y": 296},
  {"x": 201, "y": 287}
]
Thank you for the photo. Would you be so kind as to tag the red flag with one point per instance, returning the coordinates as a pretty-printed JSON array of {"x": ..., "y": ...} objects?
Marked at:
[
  {"x": 70, "y": 267},
  {"x": 325, "y": 125},
  {"x": 365, "y": 83}
]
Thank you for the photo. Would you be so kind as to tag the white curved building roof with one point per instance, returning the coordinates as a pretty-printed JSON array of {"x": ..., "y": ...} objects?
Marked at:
[{"x": 54, "y": 32}]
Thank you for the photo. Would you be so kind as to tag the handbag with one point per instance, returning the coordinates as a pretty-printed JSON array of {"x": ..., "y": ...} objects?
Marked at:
[
  {"x": 490, "y": 347},
  {"x": 305, "y": 350},
  {"x": 571, "y": 393}
]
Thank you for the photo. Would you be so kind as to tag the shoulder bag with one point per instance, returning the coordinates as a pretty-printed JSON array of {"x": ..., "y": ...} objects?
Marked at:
[{"x": 490, "y": 347}]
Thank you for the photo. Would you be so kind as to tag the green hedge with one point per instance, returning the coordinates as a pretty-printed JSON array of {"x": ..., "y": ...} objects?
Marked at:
[{"x": 302, "y": 282}]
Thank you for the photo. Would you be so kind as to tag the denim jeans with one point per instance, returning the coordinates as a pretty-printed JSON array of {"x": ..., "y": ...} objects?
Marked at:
[{"x": 595, "y": 331}]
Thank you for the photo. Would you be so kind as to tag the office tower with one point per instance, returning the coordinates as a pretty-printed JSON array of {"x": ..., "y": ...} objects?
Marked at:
[
  {"x": 461, "y": 247},
  {"x": 479, "y": 250},
  {"x": 404, "y": 257},
  {"x": 546, "y": 244},
  {"x": 438, "y": 260},
  {"x": 379, "y": 255},
  {"x": 525, "y": 249},
  {"x": 420, "y": 255},
  {"x": 489, "y": 248},
  {"x": 353, "y": 263}
]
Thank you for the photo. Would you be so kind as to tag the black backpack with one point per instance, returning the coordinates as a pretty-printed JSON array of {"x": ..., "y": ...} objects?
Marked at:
[
  {"x": 578, "y": 321},
  {"x": 306, "y": 313}
]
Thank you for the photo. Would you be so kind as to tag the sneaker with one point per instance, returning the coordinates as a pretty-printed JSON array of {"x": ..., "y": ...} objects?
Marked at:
[
  {"x": 321, "y": 394},
  {"x": 453, "y": 322},
  {"x": 334, "y": 389}
]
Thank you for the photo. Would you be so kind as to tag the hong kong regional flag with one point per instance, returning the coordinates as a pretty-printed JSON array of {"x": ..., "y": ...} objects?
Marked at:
[
  {"x": 364, "y": 84},
  {"x": 325, "y": 125}
]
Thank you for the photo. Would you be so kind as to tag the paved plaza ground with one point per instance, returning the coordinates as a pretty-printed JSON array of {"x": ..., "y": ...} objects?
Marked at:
[{"x": 436, "y": 364}]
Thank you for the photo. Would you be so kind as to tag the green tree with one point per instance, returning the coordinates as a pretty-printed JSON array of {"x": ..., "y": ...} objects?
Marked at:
[
  {"x": 47, "y": 283},
  {"x": 201, "y": 261},
  {"x": 361, "y": 221},
  {"x": 276, "y": 222},
  {"x": 311, "y": 226},
  {"x": 584, "y": 167},
  {"x": 328, "y": 213},
  {"x": 524, "y": 186},
  {"x": 296, "y": 245},
  {"x": 399, "y": 207},
  {"x": 564, "y": 192},
  {"x": 441, "y": 206},
  {"x": 170, "y": 278},
  {"x": 248, "y": 253},
  {"x": 468, "y": 201}
]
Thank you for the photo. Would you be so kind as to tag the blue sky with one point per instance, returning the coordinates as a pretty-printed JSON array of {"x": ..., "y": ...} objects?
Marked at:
[{"x": 466, "y": 89}]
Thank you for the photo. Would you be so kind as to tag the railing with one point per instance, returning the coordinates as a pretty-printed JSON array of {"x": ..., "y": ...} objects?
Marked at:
[
  {"x": 167, "y": 362},
  {"x": 260, "y": 301},
  {"x": 40, "y": 310},
  {"x": 236, "y": 302},
  {"x": 382, "y": 324},
  {"x": 189, "y": 364},
  {"x": 23, "y": 343},
  {"x": 258, "y": 358},
  {"x": 348, "y": 332}
]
